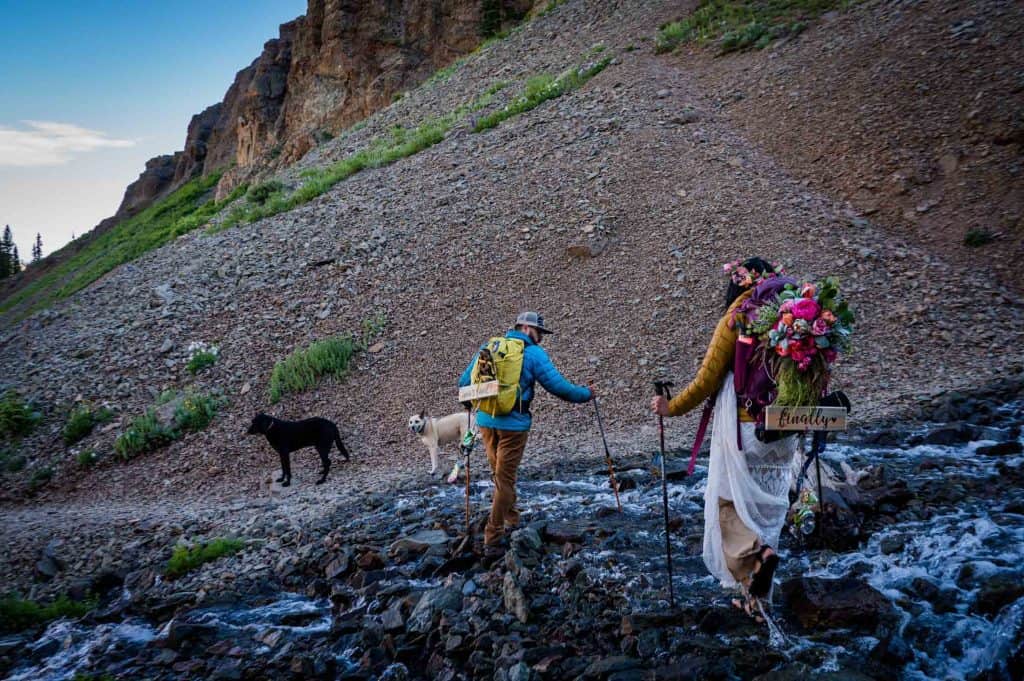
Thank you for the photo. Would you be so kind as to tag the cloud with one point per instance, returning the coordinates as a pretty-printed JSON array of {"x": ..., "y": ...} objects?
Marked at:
[{"x": 45, "y": 143}]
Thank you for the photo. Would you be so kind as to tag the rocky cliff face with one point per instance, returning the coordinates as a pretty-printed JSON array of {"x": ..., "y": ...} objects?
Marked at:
[{"x": 340, "y": 62}]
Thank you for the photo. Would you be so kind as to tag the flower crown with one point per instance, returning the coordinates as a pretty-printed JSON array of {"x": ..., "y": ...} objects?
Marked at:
[{"x": 741, "y": 276}]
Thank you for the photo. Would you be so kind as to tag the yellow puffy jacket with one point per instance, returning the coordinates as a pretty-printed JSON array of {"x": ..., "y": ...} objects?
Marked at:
[{"x": 717, "y": 363}]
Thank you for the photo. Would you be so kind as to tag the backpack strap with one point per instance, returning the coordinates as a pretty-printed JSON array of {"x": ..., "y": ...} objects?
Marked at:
[{"x": 702, "y": 430}]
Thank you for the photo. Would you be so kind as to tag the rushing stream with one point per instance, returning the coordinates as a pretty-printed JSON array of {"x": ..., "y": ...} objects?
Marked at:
[{"x": 936, "y": 563}]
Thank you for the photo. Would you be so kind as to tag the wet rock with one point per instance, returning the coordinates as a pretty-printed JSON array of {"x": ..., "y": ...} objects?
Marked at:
[
  {"x": 338, "y": 566},
  {"x": 820, "y": 602},
  {"x": 418, "y": 542},
  {"x": 428, "y": 609},
  {"x": 1001, "y": 449},
  {"x": 564, "y": 533},
  {"x": 601, "y": 669},
  {"x": 892, "y": 544},
  {"x": 997, "y": 591},
  {"x": 514, "y": 598},
  {"x": 371, "y": 560},
  {"x": 949, "y": 435},
  {"x": 185, "y": 634}
]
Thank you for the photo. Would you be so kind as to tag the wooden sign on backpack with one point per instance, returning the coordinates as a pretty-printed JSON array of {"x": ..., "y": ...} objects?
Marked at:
[
  {"x": 478, "y": 391},
  {"x": 805, "y": 418}
]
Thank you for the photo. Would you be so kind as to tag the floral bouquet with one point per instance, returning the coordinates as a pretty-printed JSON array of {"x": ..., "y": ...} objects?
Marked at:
[{"x": 802, "y": 331}]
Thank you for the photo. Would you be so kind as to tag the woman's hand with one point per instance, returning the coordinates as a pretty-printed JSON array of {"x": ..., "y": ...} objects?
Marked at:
[{"x": 659, "y": 405}]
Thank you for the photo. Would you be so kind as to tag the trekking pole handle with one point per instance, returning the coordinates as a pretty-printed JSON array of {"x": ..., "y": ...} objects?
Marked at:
[{"x": 662, "y": 388}]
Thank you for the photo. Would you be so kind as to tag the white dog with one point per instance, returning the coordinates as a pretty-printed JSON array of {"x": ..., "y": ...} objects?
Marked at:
[{"x": 436, "y": 432}]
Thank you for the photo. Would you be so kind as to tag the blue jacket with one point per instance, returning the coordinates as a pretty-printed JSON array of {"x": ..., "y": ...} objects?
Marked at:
[{"x": 537, "y": 366}]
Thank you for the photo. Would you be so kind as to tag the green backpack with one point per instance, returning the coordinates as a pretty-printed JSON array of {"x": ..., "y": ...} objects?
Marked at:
[{"x": 500, "y": 359}]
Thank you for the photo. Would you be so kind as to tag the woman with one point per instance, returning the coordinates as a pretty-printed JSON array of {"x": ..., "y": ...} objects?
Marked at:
[{"x": 746, "y": 499}]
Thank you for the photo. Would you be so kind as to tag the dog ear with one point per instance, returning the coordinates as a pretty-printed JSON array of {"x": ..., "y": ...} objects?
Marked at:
[{"x": 423, "y": 414}]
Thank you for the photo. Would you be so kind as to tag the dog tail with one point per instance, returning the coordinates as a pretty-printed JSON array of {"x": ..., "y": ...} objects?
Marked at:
[{"x": 341, "y": 446}]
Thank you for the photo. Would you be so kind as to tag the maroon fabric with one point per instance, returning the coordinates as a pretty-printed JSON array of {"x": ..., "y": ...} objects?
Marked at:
[{"x": 702, "y": 429}]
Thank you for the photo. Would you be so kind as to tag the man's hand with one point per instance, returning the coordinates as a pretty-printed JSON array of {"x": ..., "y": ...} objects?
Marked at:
[
  {"x": 659, "y": 405},
  {"x": 593, "y": 388}
]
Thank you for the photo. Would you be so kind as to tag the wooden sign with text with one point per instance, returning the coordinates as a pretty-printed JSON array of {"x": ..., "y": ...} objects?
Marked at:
[
  {"x": 478, "y": 391},
  {"x": 805, "y": 418}
]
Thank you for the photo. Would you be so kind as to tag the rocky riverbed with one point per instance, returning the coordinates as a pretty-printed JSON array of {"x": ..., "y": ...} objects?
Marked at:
[{"x": 921, "y": 579}]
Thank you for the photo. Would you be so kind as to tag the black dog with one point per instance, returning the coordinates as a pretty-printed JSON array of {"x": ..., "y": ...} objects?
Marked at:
[{"x": 287, "y": 436}]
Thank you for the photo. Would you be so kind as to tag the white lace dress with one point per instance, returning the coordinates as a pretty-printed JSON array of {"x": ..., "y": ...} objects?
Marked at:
[{"x": 757, "y": 480}]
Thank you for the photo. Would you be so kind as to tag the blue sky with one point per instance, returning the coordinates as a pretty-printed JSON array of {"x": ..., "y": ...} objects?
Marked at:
[{"x": 89, "y": 91}]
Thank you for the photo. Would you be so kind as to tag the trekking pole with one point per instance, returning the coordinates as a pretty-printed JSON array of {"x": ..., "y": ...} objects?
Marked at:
[
  {"x": 467, "y": 447},
  {"x": 662, "y": 388},
  {"x": 607, "y": 456}
]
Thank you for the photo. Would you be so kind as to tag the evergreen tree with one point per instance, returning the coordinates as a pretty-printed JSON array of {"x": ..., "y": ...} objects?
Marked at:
[
  {"x": 37, "y": 248},
  {"x": 6, "y": 254},
  {"x": 15, "y": 261}
]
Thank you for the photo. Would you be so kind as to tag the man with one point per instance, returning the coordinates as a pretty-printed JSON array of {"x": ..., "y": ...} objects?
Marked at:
[{"x": 505, "y": 436}]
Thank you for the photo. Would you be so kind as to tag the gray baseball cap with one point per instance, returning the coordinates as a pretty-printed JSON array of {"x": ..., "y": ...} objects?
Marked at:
[{"x": 533, "y": 319}]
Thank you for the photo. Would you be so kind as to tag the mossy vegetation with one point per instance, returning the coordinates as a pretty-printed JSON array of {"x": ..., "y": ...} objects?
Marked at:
[
  {"x": 742, "y": 24},
  {"x": 185, "y": 559},
  {"x": 18, "y": 614},
  {"x": 185, "y": 209}
]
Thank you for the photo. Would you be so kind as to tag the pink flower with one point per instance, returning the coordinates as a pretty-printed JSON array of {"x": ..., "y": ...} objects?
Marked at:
[
  {"x": 808, "y": 291},
  {"x": 806, "y": 308},
  {"x": 828, "y": 316},
  {"x": 820, "y": 327},
  {"x": 786, "y": 306}
]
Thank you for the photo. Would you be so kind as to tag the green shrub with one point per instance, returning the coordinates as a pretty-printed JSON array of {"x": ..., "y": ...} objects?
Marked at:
[
  {"x": 18, "y": 614},
  {"x": 261, "y": 192},
  {"x": 40, "y": 478},
  {"x": 192, "y": 413},
  {"x": 82, "y": 420},
  {"x": 10, "y": 462},
  {"x": 742, "y": 24},
  {"x": 540, "y": 89},
  {"x": 184, "y": 559},
  {"x": 195, "y": 412},
  {"x": 200, "y": 360},
  {"x": 978, "y": 237},
  {"x": 87, "y": 458},
  {"x": 144, "y": 434},
  {"x": 17, "y": 417},
  {"x": 304, "y": 368}
]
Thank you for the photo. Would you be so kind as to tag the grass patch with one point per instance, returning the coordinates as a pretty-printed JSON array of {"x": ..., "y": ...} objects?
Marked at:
[
  {"x": 261, "y": 192},
  {"x": 978, "y": 237},
  {"x": 742, "y": 24},
  {"x": 192, "y": 413},
  {"x": 201, "y": 356},
  {"x": 11, "y": 462},
  {"x": 18, "y": 614},
  {"x": 179, "y": 213},
  {"x": 540, "y": 89},
  {"x": 304, "y": 368},
  {"x": 17, "y": 416},
  {"x": 40, "y": 479},
  {"x": 87, "y": 458},
  {"x": 184, "y": 559},
  {"x": 82, "y": 420}
]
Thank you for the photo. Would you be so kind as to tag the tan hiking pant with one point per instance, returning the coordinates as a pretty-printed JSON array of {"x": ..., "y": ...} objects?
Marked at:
[
  {"x": 739, "y": 544},
  {"x": 504, "y": 452}
]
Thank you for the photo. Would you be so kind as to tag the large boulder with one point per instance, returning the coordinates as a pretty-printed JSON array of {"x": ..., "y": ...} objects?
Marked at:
[{"x": 846, "y": 602}]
